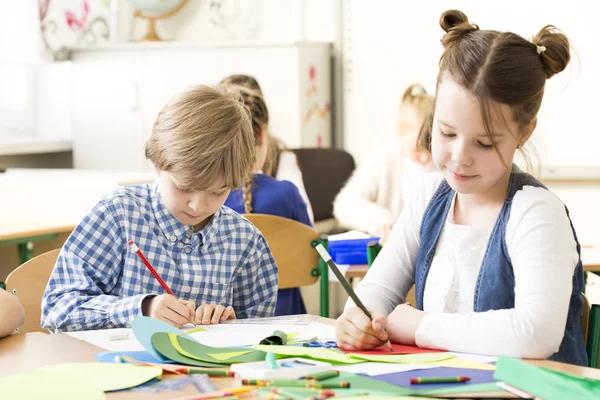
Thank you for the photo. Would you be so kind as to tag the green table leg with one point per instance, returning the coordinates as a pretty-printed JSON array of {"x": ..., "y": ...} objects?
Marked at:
[{"x": 25, "y": 245}]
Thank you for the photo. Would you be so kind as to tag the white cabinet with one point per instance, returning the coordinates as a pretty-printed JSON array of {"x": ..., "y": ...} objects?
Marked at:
[{"x": 117, "y": 92}]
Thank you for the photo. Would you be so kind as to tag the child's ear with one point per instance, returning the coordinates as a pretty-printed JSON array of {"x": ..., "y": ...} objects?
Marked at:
[{"x": 527, "y": 132}]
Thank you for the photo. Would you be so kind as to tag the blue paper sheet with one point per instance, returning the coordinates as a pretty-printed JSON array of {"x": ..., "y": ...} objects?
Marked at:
[
  {"x": 403, "y": 378},
  {"x": 141, "y": 355}
]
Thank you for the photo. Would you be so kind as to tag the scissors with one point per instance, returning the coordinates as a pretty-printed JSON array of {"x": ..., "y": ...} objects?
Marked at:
[{"x": 329, "y": 344}]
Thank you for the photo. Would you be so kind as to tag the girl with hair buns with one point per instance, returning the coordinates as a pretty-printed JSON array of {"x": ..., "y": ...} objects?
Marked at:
[
  {"x": 263, "y": 194},
  {"x": 373, "y": 197},
  {"x": 492, "y": 252},
  {"x": 281, "y": 162}
]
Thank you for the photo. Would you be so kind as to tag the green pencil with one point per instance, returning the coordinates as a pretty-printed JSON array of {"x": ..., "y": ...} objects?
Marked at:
[
  {"x": 209, "y": 372},
  {"x": 321, "y": 375},
  {"x": 441, "y": 379}
]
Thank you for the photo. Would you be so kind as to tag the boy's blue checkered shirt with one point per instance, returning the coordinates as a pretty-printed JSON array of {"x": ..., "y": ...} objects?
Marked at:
[{"x": 99, "y": 282}]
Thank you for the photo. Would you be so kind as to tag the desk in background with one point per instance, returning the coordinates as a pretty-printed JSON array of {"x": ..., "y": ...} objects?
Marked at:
[{"x": 40, "y": 204}]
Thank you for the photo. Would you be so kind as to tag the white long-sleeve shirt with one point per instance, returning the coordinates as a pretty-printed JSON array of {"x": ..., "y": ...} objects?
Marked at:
[
  {"x": 374, "y": 195},
  {"x": 288, "y": 170},
  {"x": 543, "y": 253}
]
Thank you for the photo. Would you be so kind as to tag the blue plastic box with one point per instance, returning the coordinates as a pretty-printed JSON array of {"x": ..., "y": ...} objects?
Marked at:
[{"x": 351, "y": 251}]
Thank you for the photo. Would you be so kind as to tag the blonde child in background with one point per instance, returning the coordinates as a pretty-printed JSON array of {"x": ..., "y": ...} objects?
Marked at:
[
  {"x": 491, "y": 251},
  {"x": 263, "y": 194},
  {"x": 202, "y": 146},
  {"x": 281, "y": 162},
  {"x": 373, "y": 197},
  {"x": 12, "y": 314}
]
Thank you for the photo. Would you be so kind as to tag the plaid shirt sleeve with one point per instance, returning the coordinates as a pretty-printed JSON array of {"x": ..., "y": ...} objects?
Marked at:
[
  {"x": 255, "y": 287},
  {"x": 89, "y": 265}
]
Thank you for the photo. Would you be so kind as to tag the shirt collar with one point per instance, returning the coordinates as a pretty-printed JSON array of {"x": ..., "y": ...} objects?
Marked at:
[{"x": 176, "y": 231}]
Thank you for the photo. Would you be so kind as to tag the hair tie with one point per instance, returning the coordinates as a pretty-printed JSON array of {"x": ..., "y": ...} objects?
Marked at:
[{"x": 541, "y": 49}]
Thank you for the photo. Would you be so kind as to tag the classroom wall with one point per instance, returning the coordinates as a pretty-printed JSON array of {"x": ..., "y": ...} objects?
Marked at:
[{"x": 391, "y": 44}]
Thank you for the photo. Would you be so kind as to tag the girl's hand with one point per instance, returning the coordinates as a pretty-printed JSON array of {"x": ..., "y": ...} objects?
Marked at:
[
  {"x": 168, "y": 308},
  {"x": 403, "y": 323},
  {"x": 207, "y": 314},
  {"x": 355, "y": 331}
]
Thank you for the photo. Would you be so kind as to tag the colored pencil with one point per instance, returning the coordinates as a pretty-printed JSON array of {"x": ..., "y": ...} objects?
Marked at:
[
  {"x": 296, "y": 383},
  {"x": 327, "y": 258},
  {"x": 321, "y": 375},
  {"x": 209, "y": 372},
  {"x": 441, "y": 379},
  {"x": 153, "y": 271}
]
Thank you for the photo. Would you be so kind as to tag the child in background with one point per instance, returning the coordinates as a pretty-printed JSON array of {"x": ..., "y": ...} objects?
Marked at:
[
  {"x": 12, "y": 314},
  {"x": 281, "y": 163},
  {"x": 374, "y": 196},
  {"x": 202, "y": 146},
  {"x": 492, "y": 252},
  {"x": 262, "y": 194}
]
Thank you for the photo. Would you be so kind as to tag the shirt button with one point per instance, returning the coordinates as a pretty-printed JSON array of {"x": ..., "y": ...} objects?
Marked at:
[
  {"x": 189, "y": 233},
  {"x": 173, "y": 238},
  {"x": 188, "y": 249},
  {"x": 186, "y": 289}
]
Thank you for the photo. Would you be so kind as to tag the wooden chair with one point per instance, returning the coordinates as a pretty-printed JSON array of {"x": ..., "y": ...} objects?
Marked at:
[
  {"x": 585, "y": 318},
  {"x": 28, "y": 283},
  {"x": 293, "y": 246}
]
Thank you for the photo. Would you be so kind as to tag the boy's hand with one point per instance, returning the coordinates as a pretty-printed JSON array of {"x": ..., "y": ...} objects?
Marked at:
[
  {"x": 169, "y": 309},
  {"x": 355, "y": 331},
  {"x": 213, "y": 314}
]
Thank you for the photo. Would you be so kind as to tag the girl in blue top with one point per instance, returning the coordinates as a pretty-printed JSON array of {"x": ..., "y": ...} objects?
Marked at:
[
  {"x": 263, "y": 194},
  {"x": 492, "y": 253}
]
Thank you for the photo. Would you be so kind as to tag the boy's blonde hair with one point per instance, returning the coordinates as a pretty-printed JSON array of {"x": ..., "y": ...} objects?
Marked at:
[
  {"x": 416, "y": 108},
  {"x": 201, "y": 136}
]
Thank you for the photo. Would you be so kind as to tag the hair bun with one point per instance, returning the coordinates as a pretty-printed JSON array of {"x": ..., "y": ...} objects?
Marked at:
[
  {"x": 556, "y": 52},
  {"x": 456, "y": 25}
]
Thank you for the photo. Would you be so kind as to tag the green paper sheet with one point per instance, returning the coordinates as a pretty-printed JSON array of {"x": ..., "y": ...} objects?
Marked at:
[
  {"x": 48, "y": 385},
  {"x": 420, "y": 358},
  {"x": 162, "y": 344},
  {"x": 545, "y": 383},
  {"x": 227, "y": 356},
  {"x": 199, "y": 351},
  {"x": 106, "y": 376},
  {"x": 317, "y": 353}
]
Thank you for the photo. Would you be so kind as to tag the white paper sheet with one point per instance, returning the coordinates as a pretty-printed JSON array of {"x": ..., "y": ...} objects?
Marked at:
[
  {"x": 110, "y": 339},
  {"x": 374, "y": 368}
]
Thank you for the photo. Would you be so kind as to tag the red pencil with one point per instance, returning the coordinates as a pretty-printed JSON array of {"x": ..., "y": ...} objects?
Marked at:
[{"x": 150, "y": 267}]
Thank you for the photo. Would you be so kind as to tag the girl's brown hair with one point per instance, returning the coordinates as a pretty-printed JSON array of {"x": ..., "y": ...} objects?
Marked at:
[
  {"x": 201, "y": 136},
  {"x": 260, "y": 120},
  {"x": 501, "y": 66},
  {"x": 276, "y": 146}
]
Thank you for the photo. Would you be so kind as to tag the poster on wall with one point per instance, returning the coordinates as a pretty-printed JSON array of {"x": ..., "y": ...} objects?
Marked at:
[{"x": 75, "y": 23}]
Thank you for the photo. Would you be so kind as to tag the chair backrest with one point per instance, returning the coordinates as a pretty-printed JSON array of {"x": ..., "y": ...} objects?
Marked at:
[
  {"x": 585, "y": 318},
  {"x": 290, "y": 243},
  {"x": 324, "y": 172},
  {"x": 28, "y": 283}
]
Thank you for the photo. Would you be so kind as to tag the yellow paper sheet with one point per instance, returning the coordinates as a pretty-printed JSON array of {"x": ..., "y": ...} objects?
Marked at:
[
  {"x": 199, "y": 329},
  {"x": 457, "y": 362},
  {"x": 48, "y": 385},
  {"x": 106, "y": 376},
  {"x": 227, "y": 356}
]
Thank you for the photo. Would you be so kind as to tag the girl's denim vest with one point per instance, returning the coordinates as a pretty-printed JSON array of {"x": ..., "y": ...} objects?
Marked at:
[{"x": 495, "y": 287}]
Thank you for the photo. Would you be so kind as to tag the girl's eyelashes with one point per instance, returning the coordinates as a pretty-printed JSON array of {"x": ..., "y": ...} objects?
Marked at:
[
  {"x": 486, "y": 146},
  {"x": 480, "y": 144}
]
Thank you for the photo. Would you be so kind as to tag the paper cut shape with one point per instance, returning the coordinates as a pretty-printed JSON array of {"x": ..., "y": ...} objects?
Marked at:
[
  {"x": 227, "y": 356},
  {"x": 198, "y": 351},
  {"x": 398, "y": 349},
  {"x": 106, "y": 377},
  {"x": 163, "y": 345},
  {"x": 318, "y": 353},
  {"x": 402, "y": 378},
  {"x": 49, "y": 385},
  {"x": 405, "y": 358},
  {"x": 458, "y": 362},
  {"x": 145, "y": 327},
  {"x": 142, "y": 355}
]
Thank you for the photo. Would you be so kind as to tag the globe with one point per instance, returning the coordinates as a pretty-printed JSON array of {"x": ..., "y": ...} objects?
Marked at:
[
  {"x": 156, "y": 7},
  {"x": 153, "y": 10}
]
